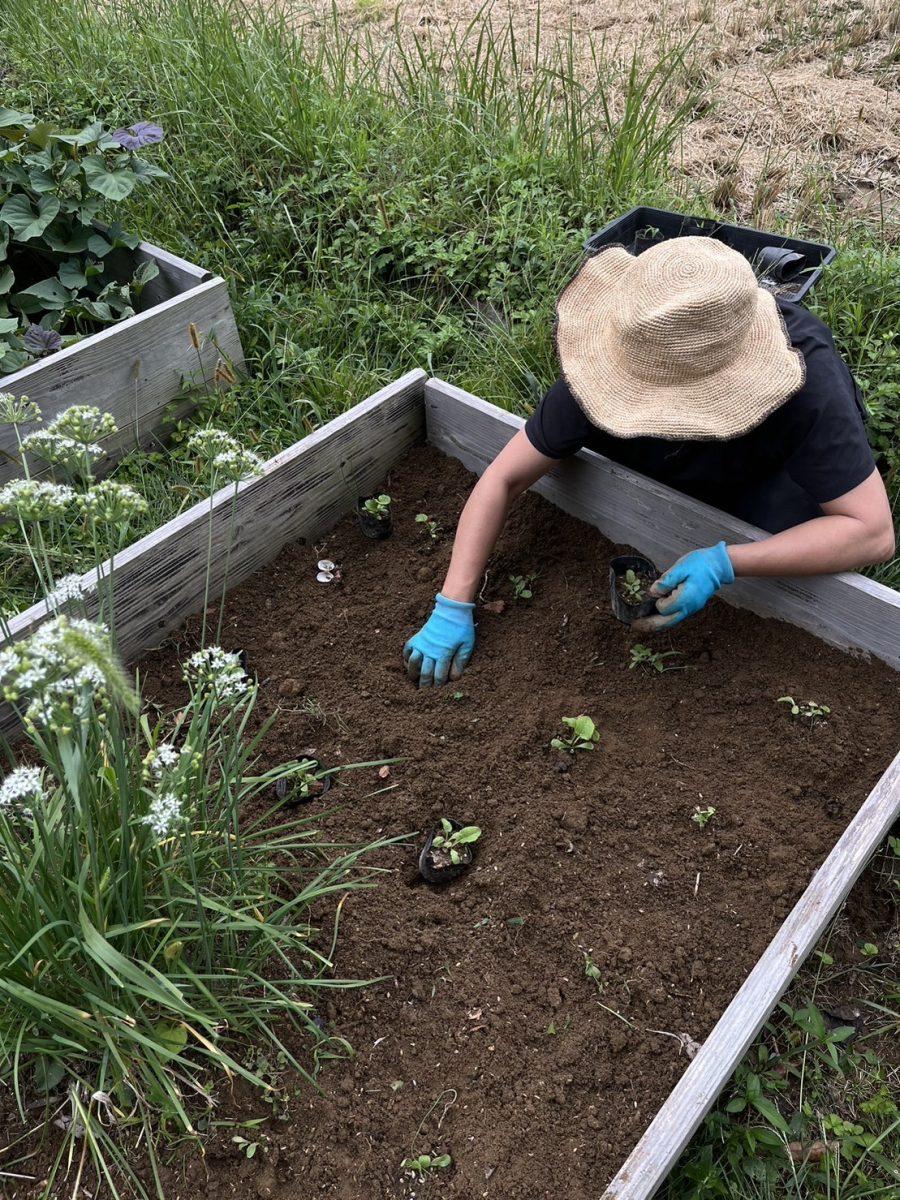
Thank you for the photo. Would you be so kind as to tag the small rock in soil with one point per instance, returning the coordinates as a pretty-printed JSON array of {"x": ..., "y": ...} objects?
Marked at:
[
  {"x": 495, "y": 606},
  {"x": 290, "y": 687}
]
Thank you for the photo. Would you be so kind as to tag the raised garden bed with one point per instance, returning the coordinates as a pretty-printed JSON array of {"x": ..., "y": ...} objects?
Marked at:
[
  {"x": 490, "y": 1002},
  {"x": 136, "y": 368}
]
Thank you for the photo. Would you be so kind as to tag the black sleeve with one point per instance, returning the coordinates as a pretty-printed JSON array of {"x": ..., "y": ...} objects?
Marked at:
[
  {"x": 558, "y": 426},
  {"x": 832, "y": 454}
]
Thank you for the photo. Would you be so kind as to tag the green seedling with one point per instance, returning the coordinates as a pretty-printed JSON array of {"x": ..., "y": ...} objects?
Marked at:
[
  {"x": 445, "y": 848},
  {"x": 809, "y": 710},
  {"x": 703, "y": 816},
  {"x": 643, "y": 656},
  {"x": 432, "y": 527},
  {"x": 584, "y": 735},
  {"x": 423, "y": 1163},
  {"x": 378, "y": 506},
  {"x": 247, "y": 1148},
  {"x": 523, "y": 586},
  {"x": 592, "y": 972},
  {"x": 632, "y": 587}
]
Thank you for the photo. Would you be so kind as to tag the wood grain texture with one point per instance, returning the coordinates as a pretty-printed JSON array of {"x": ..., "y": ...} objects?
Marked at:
[
  {"x": 302, "y": 492},
  {"x": 847, "y": 610},
  {"x": 693, "y": 1095},
  {"x": 132, "y": 370}
]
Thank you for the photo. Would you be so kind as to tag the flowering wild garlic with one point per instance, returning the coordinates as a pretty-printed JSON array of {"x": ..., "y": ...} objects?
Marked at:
[
  {"x": 62, "y": 674},
  {"x": 60, "y": 450},
  {"x": 83, "y": 423},
  {"x": 112, "y": 503},
  {"x": 17, "y": 410},
  {"x": 223, "y": 454},
  {"x": 24, "y": 783},
  {"x": 35, "y": 499},
  {"x": 66, "y": 589},
  {"x": 163, "y": 814},
  {"x": 218, "y": 669}
]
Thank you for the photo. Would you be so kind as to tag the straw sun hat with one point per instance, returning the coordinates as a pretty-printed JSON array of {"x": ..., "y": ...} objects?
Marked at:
[{"x": 679, "y": 342}]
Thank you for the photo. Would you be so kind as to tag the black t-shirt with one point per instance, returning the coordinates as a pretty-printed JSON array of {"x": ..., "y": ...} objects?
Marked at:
[{"x": 809, "y": 451}]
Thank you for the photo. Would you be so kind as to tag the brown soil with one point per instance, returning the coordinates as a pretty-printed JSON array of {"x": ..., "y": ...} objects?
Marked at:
[
  {"x": 801, "y": 99},
  {"x": 485, "y": 1039}
]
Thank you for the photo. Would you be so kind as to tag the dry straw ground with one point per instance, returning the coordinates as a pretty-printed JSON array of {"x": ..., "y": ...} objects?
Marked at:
[{"x": 801, "y": 97}]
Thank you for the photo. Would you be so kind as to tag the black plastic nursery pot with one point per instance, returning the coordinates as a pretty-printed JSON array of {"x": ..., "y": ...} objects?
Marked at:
[
  {"x": 373, "y": 527},
  {"x": 644, "y": 568},
  {"x": 289, "y": 791},
  {"x": 787, "y": 266},
  {"x": 432, "y": 874}
]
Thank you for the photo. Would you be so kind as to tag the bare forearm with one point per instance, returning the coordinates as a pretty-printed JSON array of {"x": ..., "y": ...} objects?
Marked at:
[
  {"x": 818, "y": 547},
  {"x": 479, "y": 527}
]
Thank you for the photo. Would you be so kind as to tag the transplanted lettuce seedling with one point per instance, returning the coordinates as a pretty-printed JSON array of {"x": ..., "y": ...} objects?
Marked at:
[
  {"x": 643, "y": 656},
  {"x": 809, "y": 710},
  {"x": 423, "y": 1163},
  {"x": 584, "y": 735},
  {"x": 445, "y": 846},
  {"x": 703, "y": 816},
  {"x": 432, "y": 527},
  {"x": 523, "y": 585},
  {"x": 378, "y": 506}
]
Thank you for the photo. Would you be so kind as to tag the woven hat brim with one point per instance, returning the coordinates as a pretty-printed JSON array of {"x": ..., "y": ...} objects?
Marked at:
[{"x": 721, "y": 405}]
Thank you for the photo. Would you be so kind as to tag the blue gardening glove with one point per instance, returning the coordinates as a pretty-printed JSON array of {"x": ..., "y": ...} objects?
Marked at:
[
  {"x": 443, "y": 646},
  {"x": 687, "y": 587}
]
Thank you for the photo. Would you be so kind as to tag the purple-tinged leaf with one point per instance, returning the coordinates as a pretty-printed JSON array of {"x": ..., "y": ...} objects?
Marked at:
[
  {"x": 39, "y": 341},
  {"x": 142, "y": 133}
]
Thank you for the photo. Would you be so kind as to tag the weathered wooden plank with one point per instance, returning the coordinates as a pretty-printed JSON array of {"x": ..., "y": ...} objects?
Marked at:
[
  {"x": 132, "y": 370},
  {"x": 694, "y": 1094},
  {"x": 301, "y": 493},
  {"x": 847, "y": 610}
]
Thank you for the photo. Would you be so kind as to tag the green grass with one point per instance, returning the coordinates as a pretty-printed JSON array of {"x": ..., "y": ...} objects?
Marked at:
[{"x": 379, "y": 209}]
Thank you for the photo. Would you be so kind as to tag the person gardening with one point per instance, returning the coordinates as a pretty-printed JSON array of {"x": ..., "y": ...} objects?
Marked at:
[{"x": 675, "y": 363}]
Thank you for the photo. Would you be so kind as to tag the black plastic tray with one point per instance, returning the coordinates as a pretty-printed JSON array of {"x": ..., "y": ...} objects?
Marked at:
[{"x": 752, "y": 243}]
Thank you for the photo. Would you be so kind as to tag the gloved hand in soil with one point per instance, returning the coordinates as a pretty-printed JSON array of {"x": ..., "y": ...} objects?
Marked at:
[
  {"x": 687, "y": 587},
  {"x": 443, "y": 646}
]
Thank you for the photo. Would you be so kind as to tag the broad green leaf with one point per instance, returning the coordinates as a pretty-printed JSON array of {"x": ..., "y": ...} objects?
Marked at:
[
  {"x": 47, "y": 1074},
  {"x": 27, "y": 220},
  {"x": 14, "y": 360},
  {"x": 173, "y": 1038},
  {"x": 7, "y": 279},
  {"x": 585, "y": 728},
  {"x": 8, "y": 324},
  {"x": 11, "y": 119},
  {"x": 115, "y": 184},
  {"x": 146, "y": 271},
  {"x": 469, "y": 833},
  {"x": 97, "y": 244},
  {"x": 67, "y": 241},
  {"x": 50, "y": 292},
  {"x": 767, "y": 1109},
  {"x": 71, "y": 274}
]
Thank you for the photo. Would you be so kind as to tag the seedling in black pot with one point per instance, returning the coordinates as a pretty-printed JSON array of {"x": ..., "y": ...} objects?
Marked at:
[
  {"x": 448, "y": 850},
  {"x": 374, "y": 514},
  {"x": 307, "y": 781},
  {"x": 630, "y": 578}
]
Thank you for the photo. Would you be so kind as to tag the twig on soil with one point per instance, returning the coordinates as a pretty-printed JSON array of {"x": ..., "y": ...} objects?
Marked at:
[
  {"x": 630, "y": 1024},
  {"x": 697, "y": 884}
]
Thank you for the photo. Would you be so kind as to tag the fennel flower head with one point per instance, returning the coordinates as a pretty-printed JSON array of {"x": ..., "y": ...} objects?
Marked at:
[
  {"x": 62, "y": 674},
  {"x": 217, "y": 670}
]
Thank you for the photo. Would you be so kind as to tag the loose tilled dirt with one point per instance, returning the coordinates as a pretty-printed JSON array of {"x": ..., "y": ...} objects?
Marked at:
[{"x": 486, "y": 1039}]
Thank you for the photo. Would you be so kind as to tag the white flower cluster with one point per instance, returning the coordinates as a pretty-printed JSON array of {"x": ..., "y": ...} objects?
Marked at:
[
  {"x": 60, "y": 686},
  {"x": 164, "y": 814},
  {"x": 60, "y": 450},
  {"x": 24, "y": 783},
  {"x": 218, "y": 669},
  {"x": 66, "y": 589},
  {"x": 35, "y": 499},
  {"x": 223, "y": 454},
  {"x": 112, "y": 503},
  {"x": 17, "y": 410},
  {"x": 70, "y": 440}
]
